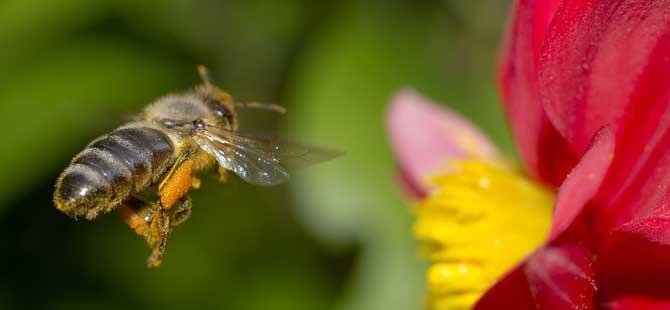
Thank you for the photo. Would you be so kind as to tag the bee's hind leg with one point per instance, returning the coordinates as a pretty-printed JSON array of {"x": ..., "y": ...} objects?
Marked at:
[
  {"x": 162, "y": 223},
  {"x": 158, "y": 235},
  {"x": 181, "y": 213},
  {"x": 136, "y": 212},
  {"x": 151, "y": 221}
]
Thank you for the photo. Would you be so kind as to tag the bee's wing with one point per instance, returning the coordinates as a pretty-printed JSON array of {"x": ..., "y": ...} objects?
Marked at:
[{"x": 260, "y": 159}]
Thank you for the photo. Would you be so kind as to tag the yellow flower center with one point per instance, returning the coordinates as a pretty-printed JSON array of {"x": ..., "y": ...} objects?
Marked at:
[{"x": 482, "y": 219}]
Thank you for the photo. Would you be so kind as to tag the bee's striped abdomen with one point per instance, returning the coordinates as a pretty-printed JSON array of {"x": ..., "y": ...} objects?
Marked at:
[{"x": 111, "y": 168}]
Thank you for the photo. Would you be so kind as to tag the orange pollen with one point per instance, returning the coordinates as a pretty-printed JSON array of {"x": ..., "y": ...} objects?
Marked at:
[
  {"x": 177, "y": 186},
  {"x": 133, "y": 219}
]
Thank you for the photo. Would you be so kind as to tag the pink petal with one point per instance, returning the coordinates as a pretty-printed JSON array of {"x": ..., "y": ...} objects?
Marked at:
[
  {"x": 426, "y": 136},
  {"x": 545, "y": 154},
  {"x": 583, "y": 182},
  {"x": 555, "y": 277}
]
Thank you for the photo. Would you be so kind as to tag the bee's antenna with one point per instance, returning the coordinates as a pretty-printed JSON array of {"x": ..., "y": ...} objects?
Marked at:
[
  {"x": 262, "y": 106},
  {"x": 204, "y": 75}
]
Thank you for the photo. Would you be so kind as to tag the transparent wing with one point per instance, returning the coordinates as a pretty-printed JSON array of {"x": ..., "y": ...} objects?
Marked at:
[
  {"x": 260, "y": 159},
  {"x": 250, "y": 166}
]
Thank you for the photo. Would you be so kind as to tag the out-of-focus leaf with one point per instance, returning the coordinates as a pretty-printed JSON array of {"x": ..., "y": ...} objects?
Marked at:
[
  {"x": 83, "y": 303},
  {"x": 31, "y": 23},
  {"x": 248, "y": 42}
]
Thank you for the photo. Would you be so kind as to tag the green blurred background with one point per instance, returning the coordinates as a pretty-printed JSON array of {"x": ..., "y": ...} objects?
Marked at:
[{"x": 337, "y": 237}]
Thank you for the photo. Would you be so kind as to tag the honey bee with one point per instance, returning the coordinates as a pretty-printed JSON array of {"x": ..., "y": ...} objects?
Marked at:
[{"x": 162, "y": 149}]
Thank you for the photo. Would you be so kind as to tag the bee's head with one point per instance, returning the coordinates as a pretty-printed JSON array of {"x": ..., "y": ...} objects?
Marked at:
[
  {"x": 179, "y": 112},
  {"x": 206, "y": 105},
  {"x": 220, "y": 105},
  {"x": 219, "y": 102}
]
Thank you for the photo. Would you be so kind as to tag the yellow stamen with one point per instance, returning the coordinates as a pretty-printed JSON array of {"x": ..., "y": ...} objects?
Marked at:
[{"x": 481, "y": 221}]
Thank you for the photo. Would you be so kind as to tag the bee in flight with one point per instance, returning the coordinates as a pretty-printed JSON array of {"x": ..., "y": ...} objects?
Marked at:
[{"x": 162, "y": 149}]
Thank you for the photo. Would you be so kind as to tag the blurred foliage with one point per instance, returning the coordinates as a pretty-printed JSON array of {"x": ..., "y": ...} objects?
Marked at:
[{"x": 337, "y": 237}]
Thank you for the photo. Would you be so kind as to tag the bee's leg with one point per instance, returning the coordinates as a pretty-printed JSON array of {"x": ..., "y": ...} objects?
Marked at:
[
  {"x": 162, "y": 223},
  {"x": 181, "y": 213},
  {"x": 172, "y": 189},
  {"x": 176, "y": 184},
  {"x": 136, "y": 213},
  {"x": 150, "y": 221},
  {"x": 158, "y": 235}
]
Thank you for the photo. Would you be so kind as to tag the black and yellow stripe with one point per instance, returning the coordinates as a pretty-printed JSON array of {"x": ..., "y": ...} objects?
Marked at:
[{"x": 111, "y": 168}]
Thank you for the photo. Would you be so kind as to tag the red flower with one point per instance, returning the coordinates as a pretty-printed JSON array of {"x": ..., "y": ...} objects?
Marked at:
[
  {"x": 587, "y": 83},
  {"x": 586, "y": 86}
]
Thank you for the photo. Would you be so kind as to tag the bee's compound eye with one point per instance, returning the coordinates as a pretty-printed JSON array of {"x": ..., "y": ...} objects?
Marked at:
[{"x": 148, "y": 218}]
